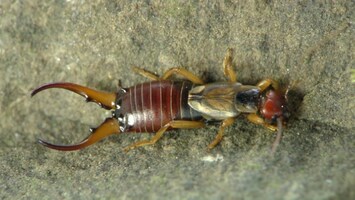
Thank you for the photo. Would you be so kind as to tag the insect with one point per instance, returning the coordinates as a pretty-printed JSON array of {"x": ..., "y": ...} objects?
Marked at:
[{"x": 162, "y": 104}]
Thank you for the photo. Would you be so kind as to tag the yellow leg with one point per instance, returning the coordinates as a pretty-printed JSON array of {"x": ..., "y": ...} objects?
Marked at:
[
  {"x": 183, "y": 72},
  {"x": 175, "y": 70},
  {"x": 256, "y": 119},
  {"x": 266, "y": 83},
  {"x": 228, "y": 66},
  {"x": 145, "y": 73},
  {"x": 159, "y": 134},
  {"x": 227, "y": 122}
]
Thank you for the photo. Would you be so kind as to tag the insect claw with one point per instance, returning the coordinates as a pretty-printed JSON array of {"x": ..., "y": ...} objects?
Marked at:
[
  {"x": 108, "y": 127},
  {"x": 104, "y": 99}
]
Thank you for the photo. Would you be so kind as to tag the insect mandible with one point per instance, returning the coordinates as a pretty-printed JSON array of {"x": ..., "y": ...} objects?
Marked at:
[{"x": 163, "y": 104}]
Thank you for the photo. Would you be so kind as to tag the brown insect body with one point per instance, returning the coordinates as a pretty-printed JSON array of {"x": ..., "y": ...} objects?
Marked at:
[
  {"x": 149, "y": 106},
  {"x": 161, "y": 104}
]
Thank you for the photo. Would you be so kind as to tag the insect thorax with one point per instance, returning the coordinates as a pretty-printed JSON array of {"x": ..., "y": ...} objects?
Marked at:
[{"x": 224, "y": 100}]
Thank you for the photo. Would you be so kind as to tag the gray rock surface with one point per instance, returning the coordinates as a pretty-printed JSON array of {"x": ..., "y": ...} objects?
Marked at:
[{"x": 308, "y": 43}]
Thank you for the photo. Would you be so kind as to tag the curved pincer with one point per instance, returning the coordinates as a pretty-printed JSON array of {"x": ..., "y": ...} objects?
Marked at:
[
  {"x": 108, "y": 127},
  {"x": 104, "y": 99}
]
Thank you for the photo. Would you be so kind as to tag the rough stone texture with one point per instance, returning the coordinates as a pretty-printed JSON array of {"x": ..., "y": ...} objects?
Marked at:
[{"x": 306, "y": 43}]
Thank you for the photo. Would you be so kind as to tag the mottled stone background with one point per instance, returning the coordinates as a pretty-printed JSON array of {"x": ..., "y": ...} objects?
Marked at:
[{"x": 95, "y": 43}]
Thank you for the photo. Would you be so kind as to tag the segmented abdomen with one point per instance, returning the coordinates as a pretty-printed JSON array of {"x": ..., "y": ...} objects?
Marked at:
[{"x": 148, "y": 106}]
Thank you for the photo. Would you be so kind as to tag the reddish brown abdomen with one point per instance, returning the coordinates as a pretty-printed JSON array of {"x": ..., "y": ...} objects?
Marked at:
[{"x": 148, "y": 106}]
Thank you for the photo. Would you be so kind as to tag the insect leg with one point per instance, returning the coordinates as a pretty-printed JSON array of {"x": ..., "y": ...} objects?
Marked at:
[
  {"x": 175, "y": 70},
  {"x": 228, "y": 66},
  {"x": 266, "y": 83},
  {"x": 256, "y": 119},
  {"x": 183, "y": 72},
  {"x": 227, "y": 122},
  {"x": 159, "y": 134},
  {"x": 145, "y": 73}
]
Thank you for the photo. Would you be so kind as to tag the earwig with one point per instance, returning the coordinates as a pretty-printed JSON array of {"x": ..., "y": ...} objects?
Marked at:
[{"x": 163, "y": 104}]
